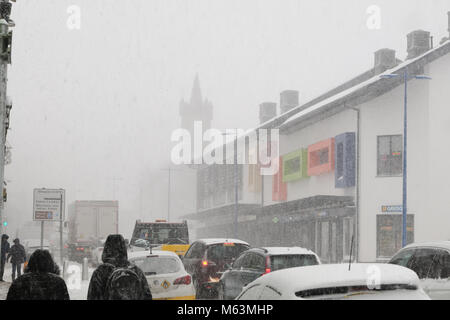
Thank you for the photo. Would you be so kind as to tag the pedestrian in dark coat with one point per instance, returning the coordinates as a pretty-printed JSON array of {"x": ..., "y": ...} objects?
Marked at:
[
  {"x": 40, "y": 280},
  {"x": 115, "y": 258},
  {"x": 18, "y": 256},
  {"x": 3, "y": 252}
]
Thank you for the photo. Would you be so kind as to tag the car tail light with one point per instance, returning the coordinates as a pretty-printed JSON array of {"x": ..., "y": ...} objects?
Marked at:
[
  {"x": 268, "y": 268},
  {"x": 204, "y": 263},
  {"x": 183, "y": 280}
]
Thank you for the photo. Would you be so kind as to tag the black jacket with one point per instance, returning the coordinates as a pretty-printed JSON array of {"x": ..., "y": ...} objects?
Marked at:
[
  {"x": 17, "y": 254},
  {"x": 38, "y": 286},
  {"x": 114, "y": 256},
  {"x": 40, "y": 281}
]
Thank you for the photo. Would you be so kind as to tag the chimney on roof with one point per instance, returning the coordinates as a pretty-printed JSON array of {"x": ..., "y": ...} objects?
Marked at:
[
  {"x": 267, "y": 111},
  {"x": 384, "y": 60},
  {"x": 288, "y": 100},
  {"x": 448, "y": 14},
  {"x": 447, "y": 38},
  {"x": 418, "y": 43}
]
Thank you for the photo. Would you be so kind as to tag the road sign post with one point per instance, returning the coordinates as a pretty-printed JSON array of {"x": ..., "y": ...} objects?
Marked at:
[{"x": 48, "y": 205}]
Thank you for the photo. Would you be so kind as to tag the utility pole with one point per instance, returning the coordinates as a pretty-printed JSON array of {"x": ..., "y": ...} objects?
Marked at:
[
  {"x": 236, "y": 187},
  {"x": 168, "y": 198},
  {"x": 5, "y": 59}
]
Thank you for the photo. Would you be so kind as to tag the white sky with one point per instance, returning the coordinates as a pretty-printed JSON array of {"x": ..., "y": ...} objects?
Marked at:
[{"x": 100, "y": 103}]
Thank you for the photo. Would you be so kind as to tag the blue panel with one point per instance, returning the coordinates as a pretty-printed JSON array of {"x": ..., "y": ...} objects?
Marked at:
[{"x": 345, "y": 160}]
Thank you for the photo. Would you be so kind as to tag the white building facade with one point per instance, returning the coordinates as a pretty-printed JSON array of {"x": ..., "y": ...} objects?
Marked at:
[{"x": 341, "y": 159}]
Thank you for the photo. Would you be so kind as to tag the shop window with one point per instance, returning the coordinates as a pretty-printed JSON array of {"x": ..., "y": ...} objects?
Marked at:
[
  {"x": 295, "y": 165},
  {"x": 321, "y": 157},
  {"x": 345, "y": 160},
  {"x": 389, "y": 234},
  {"x": 279, "y": 188},
  {"x": 390, "y": 155}
]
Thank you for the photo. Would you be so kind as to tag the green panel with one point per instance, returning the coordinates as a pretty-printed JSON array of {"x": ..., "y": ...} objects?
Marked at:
[
  {"x": 294, "y": 165},
  {"x": 304, "y": 163}
]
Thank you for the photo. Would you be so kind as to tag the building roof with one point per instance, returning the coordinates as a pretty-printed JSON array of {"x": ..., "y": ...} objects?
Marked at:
[{"x": 364, "y": 91}]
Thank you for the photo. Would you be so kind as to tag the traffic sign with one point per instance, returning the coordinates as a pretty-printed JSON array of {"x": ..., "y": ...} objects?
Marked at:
[{"x": 49, "y": 204}]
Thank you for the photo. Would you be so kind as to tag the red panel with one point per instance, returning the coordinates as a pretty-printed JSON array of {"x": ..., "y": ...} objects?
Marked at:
[
  {"x": 321, "y": 157},
  {"x": 279, "y": 188}
]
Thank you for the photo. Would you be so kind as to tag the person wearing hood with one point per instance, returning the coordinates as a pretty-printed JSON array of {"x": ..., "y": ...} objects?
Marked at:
[
  {"x": 115, "y": 264},
  {"x": 40, "y": 281},
  {"x": 3, "y": 252},
  {"x": 18, "y": 256}
]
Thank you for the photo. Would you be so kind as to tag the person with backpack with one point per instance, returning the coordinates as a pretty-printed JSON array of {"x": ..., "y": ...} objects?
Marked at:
[
  {"x": 4, "y": 251},
  {"x": 117, "y": 278},
  {"x": 40, "y": 281},
  {"x": 18, "y": 256}
]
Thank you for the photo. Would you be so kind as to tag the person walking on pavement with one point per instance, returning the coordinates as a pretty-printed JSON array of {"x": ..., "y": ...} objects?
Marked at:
[
  {"x": 5, "y": 11},
  {"x": 40, "y": 281},
  {"x": 18, "y": 256},
  {"x": 117, "y": 278},
  {"x": 3, "y": 252}
]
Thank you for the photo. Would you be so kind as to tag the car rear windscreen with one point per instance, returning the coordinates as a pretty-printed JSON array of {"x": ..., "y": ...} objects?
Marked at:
[
  {"x": 225, "y": 251},
  {"x": 352, "y": 290},
  {"x": 157, "y": 265},
  {"x": 279, "y": 262}
]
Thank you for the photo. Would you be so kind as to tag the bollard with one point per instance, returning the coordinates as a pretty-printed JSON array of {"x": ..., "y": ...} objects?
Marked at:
[
  {"x": 84, "y": 274},
  {"x": 65, "y": 267}
]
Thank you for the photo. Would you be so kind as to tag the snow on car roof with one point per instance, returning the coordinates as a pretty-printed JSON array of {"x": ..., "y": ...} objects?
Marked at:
[
  {"x": 336, "y": 275},
  {"x": 287, "y": 250},
  {"x": 140, "y": 254},
  {"x": 218, "y": 241},
  {"x": 435, "y": 244}
]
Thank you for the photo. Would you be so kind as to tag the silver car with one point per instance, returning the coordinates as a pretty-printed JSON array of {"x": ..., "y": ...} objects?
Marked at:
[{"x": 431, "y": 262}]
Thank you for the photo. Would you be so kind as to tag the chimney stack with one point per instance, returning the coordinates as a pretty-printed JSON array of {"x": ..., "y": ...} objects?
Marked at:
[
  {"x": 267, "y": 111},
  {"x": 448, "y": 13},
  {"x": 418, "y": 43},
  {"x": 384, "y": 60},
  {"x": 288, "y": 100}
]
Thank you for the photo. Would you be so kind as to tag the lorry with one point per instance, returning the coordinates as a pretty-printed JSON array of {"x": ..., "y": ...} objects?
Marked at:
[{"x": 89, "y": 223}]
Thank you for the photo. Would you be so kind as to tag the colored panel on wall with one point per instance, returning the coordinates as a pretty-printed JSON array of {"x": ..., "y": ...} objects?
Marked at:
[
  {"x": 345, "y": 160},
  {"x": 321, "y": 157},
  {"x": 254, "y": 178},
  {"x": 295, "y": 165},
  {"x": 279, "y": 188}
]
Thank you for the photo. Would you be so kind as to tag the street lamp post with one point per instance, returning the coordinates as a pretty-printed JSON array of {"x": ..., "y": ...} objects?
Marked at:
[{"x": 405, "y": 146}]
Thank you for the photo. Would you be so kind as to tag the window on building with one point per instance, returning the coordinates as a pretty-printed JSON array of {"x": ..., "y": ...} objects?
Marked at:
[
  {"x": 389, "y": 234},
  {"x": 390, "y": 155}
]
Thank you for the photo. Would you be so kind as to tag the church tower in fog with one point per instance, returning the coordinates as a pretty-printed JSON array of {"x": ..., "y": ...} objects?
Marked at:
[{"x": 196, "y": 109}]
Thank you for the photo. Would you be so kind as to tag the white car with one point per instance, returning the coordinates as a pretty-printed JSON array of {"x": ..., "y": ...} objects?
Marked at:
[
  {"x": 431, "y": 262},
  {"x": 336, "y": 282},
  {"x": 165, "y": 273}
]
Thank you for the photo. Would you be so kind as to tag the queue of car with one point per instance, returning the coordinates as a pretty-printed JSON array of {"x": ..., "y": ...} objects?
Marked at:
[{"x": 231, "y": 269}]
